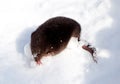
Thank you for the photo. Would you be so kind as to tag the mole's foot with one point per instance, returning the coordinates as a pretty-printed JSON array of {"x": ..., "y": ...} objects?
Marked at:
[
  {"x": 91, "y": 50},
  {"x": 39, "y": 62}
]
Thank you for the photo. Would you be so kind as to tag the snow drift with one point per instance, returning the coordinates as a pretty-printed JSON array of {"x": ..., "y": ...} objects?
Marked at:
[{"x": 99, "y": 20}]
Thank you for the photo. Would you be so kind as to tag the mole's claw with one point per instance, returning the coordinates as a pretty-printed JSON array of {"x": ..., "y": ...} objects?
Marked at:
[{"x": 39, "y": 62}]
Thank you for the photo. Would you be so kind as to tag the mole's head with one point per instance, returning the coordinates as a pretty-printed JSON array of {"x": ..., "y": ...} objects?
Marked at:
[
  {"x": 34, "y": 43},
  {"x": 39, "y": 46}
]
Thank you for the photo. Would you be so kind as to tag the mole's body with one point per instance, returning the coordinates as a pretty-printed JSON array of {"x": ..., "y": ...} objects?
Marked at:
[{"x": 53, "y": 36}]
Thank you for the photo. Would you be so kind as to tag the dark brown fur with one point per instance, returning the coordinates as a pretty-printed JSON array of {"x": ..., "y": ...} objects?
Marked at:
[{"x": 53, "y": 36}]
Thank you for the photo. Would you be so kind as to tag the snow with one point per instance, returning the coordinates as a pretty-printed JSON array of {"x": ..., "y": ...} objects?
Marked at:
[{"x": 100, "y": 26}]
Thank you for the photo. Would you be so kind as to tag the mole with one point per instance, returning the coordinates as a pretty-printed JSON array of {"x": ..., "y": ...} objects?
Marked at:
[{"x": 52, "y": 37}]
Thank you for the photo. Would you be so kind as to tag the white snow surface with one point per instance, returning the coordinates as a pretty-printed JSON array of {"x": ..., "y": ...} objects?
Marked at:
[{"x": 99, "y": 20}]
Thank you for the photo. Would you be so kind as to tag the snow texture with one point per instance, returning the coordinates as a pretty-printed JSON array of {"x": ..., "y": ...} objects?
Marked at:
[{"x": 100, "y": 26}]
